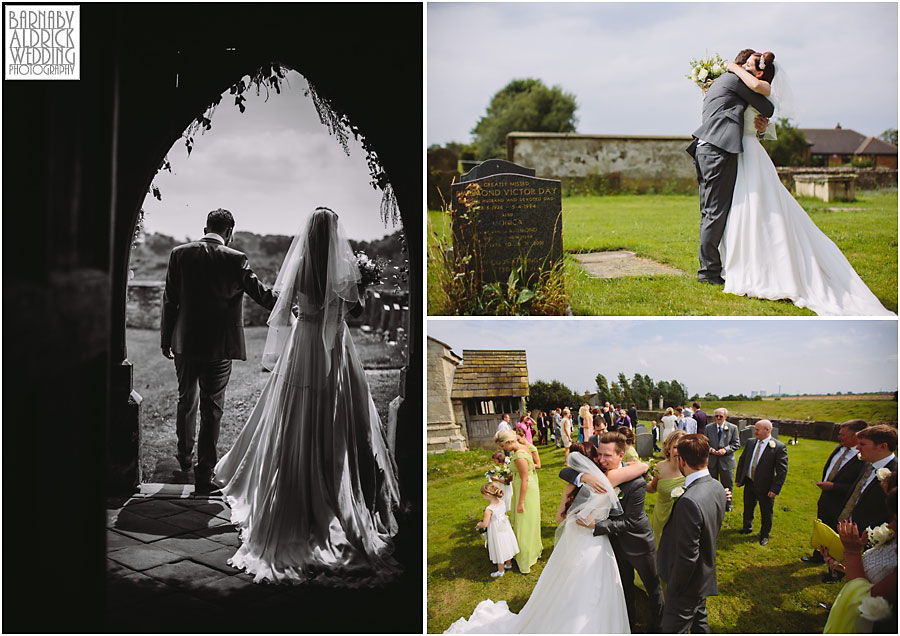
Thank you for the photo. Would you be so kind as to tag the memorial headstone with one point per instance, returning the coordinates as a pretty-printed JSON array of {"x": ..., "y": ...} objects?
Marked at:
[
  {"x": 505, "y": 217},
  {"x": 746, "y": 434},
  {"x": 643, "y": 444}
]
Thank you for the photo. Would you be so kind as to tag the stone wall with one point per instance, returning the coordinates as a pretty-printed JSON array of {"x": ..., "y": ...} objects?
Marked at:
[
  {"x": 606, "y": 162},
  {"x": 786, "y": 428},
  {"x": 444, "y": 417},
  {"x": 144, "y": 305}
]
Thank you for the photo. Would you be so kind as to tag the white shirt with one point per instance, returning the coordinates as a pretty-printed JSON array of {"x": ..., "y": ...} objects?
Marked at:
[
  {"x": 847, "y": 457},
  {"x": 757, "y": 448},
  {"x": 690, "y": 479},
  {"x": 504, "y": 426},
  {"x": 881, "y": 463},
  {"x": 212, "y": 235}
]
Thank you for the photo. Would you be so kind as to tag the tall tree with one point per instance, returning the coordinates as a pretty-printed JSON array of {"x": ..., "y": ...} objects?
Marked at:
[
  {"x": 603, "y": 394},
  {"x": 550, "y": 395},
  {"x": 789, "y": 149},
  {"x": 624, "y": 387},
  {"x": 525, "y": 105},
  {"x": 889, "y": 135}
]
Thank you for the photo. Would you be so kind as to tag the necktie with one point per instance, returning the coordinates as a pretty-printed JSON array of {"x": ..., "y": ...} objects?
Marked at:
[
  {"x": 857, "y": 491},
  {"x": 837, "y": 465},
  {"x": 719, "y": 439},
  {"x": 756, "y": 454}
]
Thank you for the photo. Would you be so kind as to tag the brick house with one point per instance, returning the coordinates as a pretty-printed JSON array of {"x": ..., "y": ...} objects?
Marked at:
[{"x": 837, "y": 146}]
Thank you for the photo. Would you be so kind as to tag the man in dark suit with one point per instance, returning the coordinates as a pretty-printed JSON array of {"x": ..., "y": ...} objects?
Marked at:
[
  {"x": 700, "y": 416},
  {"x": 724, "y": 439},
  {"x": 629, "y": 533},
  {"x": 632, "y": 415},
  {"x": 761, "y": 471},
  {"x": 839, "y": 474},
  {"x": 202, "y": 329},
  {"x": 687, "y": 548},
  {"x": 716, "y": 145},
  {"x": 865, "y": 504}
]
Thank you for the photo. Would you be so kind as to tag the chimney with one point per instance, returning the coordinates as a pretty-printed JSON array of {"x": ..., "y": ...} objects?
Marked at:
[{"x": 838, "y": 126}]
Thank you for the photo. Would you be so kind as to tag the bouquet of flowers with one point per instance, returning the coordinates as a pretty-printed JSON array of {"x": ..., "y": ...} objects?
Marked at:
[
  {"x": 705, "y": 70},
  {"x": 502, "y": 472},
  {"x": 370, "y": 270}
]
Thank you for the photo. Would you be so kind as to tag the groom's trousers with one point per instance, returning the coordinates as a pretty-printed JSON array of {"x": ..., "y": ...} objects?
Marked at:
[
  {"x": 716, "y": 174},
  {"x": 645, "y": 566},
  {"x": 200, "y": 383}
]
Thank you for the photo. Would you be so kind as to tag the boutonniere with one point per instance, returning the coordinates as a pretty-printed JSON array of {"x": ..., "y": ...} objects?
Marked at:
[
  {"x": 677, "y": 492},
  {"x": 771, "y": 443},
  {"x": 874, "y": 608},
  {"x": 882, "y": 473},
  {"x": 618, "y": 492}
]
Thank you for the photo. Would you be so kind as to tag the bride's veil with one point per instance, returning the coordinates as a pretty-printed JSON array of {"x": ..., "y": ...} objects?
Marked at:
[
  {"x": 320, "y": 276},
  {"x": 587, "y": 502}
]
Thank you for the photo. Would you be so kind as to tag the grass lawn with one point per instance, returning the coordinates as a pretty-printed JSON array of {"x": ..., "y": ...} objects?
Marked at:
[
  {"x": 154, "y": 379},
  {"x": 871, "y": 411},
  {"x": 761, "y": 589},
  {"x": 664, "y": 228}
]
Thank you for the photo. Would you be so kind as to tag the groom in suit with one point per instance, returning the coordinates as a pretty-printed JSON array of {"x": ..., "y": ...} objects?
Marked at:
[
  {"x": 202, "y": 330},
  {"x": 724, "y": 439},
  {"x": 629, "y": 533},
  {"x": 714, "y": 149},
  {"x": 865, "y": 504},
  {"x": 761, "y": 471},
  {"x": 687, "y": 548}
]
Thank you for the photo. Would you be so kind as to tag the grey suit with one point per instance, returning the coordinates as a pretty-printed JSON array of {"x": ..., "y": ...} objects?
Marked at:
[
  {"x": 687, "y": 556},
  {"x": 721, "y": 467},
  {"x": 632, "y": 541},
  {"x": 715, "y": 162}
]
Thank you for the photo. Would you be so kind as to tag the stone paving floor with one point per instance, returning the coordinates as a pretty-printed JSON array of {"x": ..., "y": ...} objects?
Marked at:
[
  {"x": 167, "y": 572},
  {"x": 620, "y": 263}
]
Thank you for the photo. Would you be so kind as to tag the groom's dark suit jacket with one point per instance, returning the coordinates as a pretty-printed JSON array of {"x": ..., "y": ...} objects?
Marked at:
[
  {"x": 723, "y": 113},
  {"x": 831, "y": 502},
  {"x": 871, "y": 510},
  {"x": 687, "y": 549},
  {"x": 202, "y": 311}
]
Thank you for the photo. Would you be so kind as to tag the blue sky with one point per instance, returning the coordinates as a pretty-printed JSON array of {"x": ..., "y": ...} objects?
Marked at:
[
  {"x": 625, "y": 62},
  {"x": 721, "y": 356},
  {"x": 271, "y": 166}
]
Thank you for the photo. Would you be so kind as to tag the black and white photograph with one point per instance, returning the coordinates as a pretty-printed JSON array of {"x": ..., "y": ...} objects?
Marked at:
[{"x": 213, "y": 317}]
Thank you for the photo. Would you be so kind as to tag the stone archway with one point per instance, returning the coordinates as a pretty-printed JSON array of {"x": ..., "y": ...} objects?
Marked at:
[{"x": 79, "y": 156}]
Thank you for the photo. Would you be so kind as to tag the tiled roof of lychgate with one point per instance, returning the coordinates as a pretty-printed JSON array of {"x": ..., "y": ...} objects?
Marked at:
[{"x": 489, "y": 374}]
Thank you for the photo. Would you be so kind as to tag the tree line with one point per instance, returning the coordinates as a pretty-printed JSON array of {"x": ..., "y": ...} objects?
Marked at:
[{"x": 549, "y": 395}]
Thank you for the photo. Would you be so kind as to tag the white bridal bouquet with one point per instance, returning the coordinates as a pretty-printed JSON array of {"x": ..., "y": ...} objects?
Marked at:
[
  {"x": 705, "y": 70},
  {"x": 370, "y": 270}
]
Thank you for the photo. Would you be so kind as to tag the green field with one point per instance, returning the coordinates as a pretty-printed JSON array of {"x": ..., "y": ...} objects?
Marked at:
[
  {"x": 761, "y": 589},
  {"x": 872, "y": 411},
  {"x": 664, "y": 228}
]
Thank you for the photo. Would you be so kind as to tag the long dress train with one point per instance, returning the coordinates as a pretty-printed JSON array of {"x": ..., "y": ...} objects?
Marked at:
[{"x": 772, "y": 249}]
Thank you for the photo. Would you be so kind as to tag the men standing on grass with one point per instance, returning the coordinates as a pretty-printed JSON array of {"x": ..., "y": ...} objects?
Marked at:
[
  {"x": 839, "y": 474},
  {"x": 761, "y": 471},
  {"x": 865, "y": 504},
  {"x": 557, "y": 428},
  {"x": 723, "y": 441}
]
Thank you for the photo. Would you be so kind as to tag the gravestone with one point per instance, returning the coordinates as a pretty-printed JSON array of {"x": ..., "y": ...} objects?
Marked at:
[
  {"x": 640, "y": 428},
  {"x": 774, "y": 432},
  {"x": 503, "y": 217},
  {"x": 643, "y": 444},
  {"x": 746, "y": 434}
]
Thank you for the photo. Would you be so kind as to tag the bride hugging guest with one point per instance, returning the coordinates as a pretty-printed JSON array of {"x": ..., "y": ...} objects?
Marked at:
[
  {"x": 525, "y": 513},
  {"x": 631, "y": 455},
  {"x": 520, "y": 437},
  {"x": 666, "y": 478},
  {"x": 500, "y": 461},
  {"x": 770, "y": 247},
  {"x": 868, "y": 601},
  {"x": 580, "y": 564},
  {"x": 500, "y": 538}
]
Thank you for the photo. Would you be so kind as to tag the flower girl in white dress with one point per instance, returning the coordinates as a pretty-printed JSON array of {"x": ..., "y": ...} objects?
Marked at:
[{"x": 500, "y": 538}]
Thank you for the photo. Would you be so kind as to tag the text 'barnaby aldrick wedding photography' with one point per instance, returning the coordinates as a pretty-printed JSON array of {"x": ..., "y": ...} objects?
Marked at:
[{"x": 42, "y": 42}]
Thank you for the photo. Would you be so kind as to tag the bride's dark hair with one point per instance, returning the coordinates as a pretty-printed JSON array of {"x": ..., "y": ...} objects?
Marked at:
[
  {"x": 588, "y": 450},
  {"x": 315, "y": 270},
  {"x": 768, "y": 73}
]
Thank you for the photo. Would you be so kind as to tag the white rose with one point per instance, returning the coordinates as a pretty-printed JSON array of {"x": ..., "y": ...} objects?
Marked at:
[
  {"x": 677, "y": 492},
  {"x": 702, "y": 74},
  {"x": 883, "y": 473},
  {"x": 771, "y": 443},
  {"x": 716, "y": 68},
  {"x": 874, "y": 608},
  {"x": 880, "y": 534}
]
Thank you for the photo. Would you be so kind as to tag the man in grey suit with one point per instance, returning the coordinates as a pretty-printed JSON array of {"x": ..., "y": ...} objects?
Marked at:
[
  {"x": 687, "y": 549},
  {"x": 724, "y": 439},
  {"x": 202, "y": 330},
  {"x": 714, "y": 149},
  {"x": 761, "y": 471}
]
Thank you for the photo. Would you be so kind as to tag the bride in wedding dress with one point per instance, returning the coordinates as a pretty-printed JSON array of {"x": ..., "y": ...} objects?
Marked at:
[
  {"x": 771, "y": 248},
  {"x": 582, "y": 566},
  {"x": 310, "y": 479}
]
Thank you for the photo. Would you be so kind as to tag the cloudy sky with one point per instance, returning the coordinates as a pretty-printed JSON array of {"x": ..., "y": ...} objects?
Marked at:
[
  {"x": 720, "y": 356},
  {"x": 625, "y": 62},
  {"x": 271, "y": 166}
]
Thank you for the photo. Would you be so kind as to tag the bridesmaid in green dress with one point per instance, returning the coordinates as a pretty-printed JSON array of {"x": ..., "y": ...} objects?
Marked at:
[
  {"x": 525, "y": 514},
  {"x": 666, "y": 478}
]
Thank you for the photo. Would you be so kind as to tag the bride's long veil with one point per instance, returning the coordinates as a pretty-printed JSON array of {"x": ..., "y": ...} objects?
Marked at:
[
  {"x": 320, "y": 275},
  {"x": 587, "y": 502}
]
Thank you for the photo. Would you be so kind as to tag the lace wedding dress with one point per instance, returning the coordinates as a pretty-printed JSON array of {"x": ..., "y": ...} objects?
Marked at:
[
  {"x": 581, "y": 567},
  {"x": 771, "y": 248},
  {"x": 310, "y": 479}
]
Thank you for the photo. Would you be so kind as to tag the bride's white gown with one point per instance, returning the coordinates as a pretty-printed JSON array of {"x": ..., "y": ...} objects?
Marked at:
[
  {"x": 310, "y": 479},
  {"x": 575, "y": 594},
  {"x": 771, "y": 248}
]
